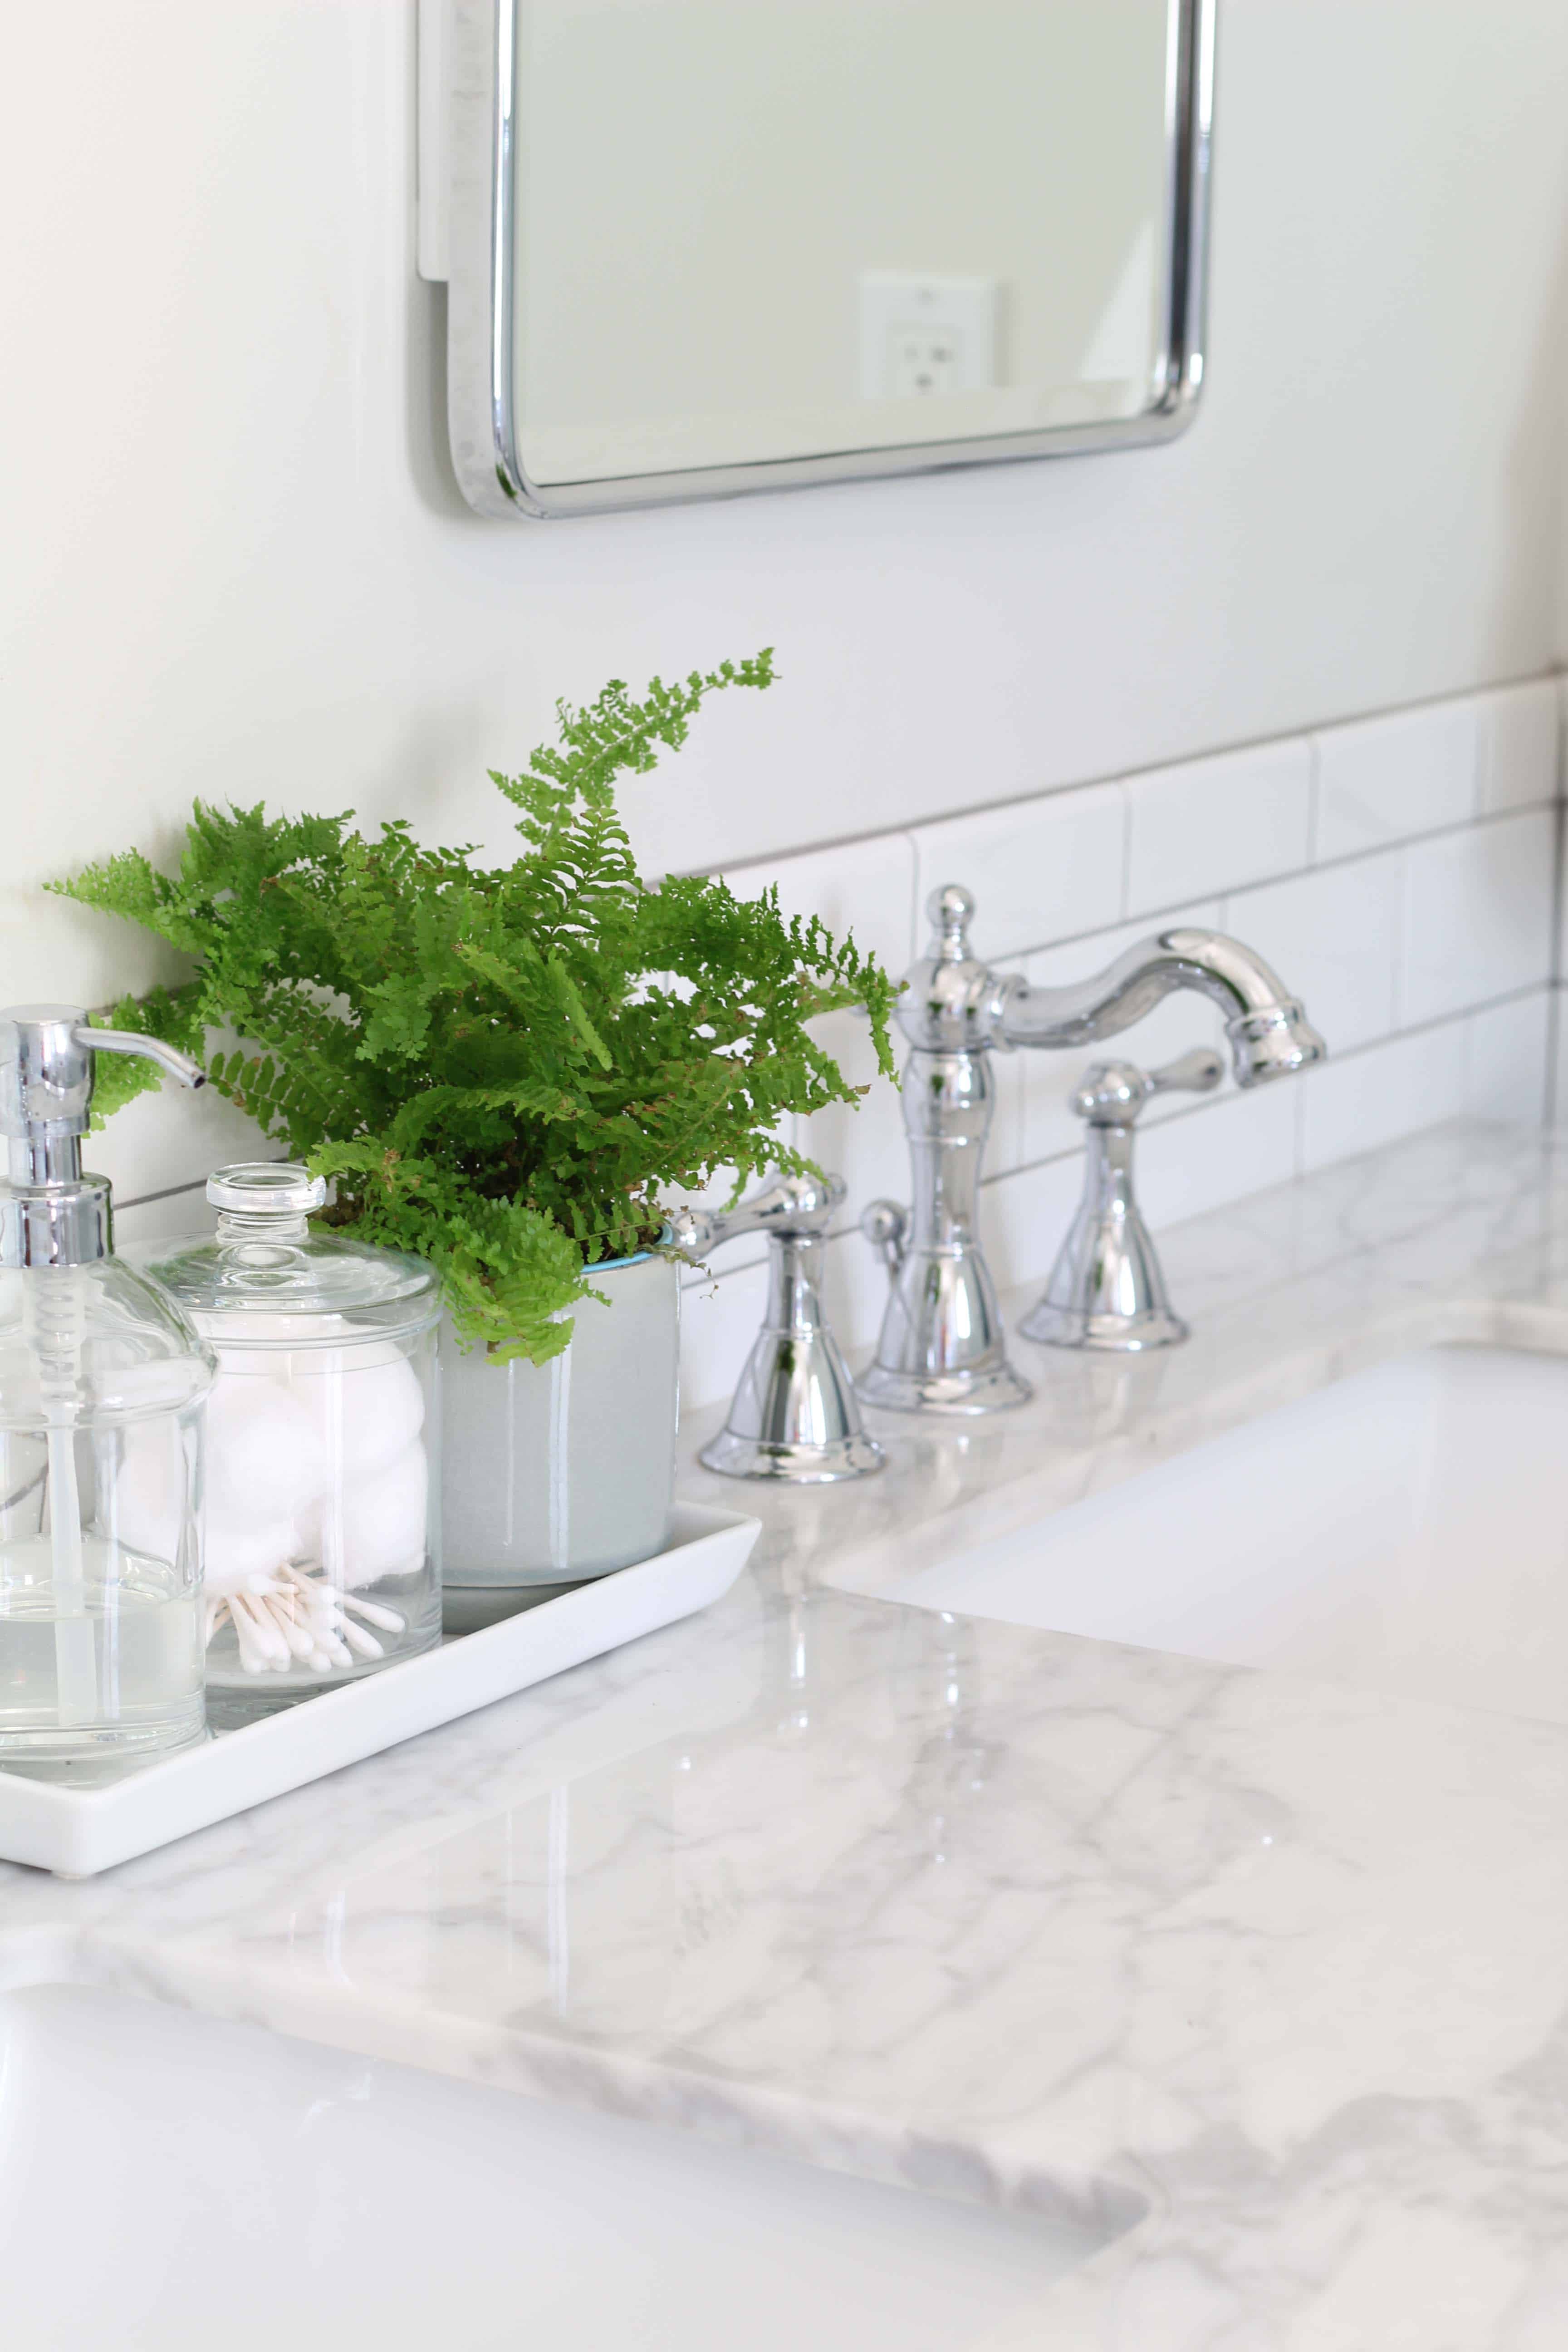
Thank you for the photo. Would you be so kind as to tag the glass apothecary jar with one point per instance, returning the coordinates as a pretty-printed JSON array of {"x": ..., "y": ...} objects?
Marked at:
[{"x": 321, "y": 1519}]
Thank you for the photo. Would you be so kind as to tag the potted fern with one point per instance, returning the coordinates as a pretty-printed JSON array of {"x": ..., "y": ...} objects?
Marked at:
[{"x": 504, "y": 1069}]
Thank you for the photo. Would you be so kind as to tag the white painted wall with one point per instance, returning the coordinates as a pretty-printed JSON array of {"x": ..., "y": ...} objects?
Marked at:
[{"x": 234, "y": 563}]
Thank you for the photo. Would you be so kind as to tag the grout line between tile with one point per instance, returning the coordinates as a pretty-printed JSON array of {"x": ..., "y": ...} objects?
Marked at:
[
  {"x": 169, "y": 1193},
  {"x": 1401, "y": 937},
  {"x": 1555, "y": 1001},
  {"x": 914, "y": 943},
  {"x": 1125, "y": 895}
]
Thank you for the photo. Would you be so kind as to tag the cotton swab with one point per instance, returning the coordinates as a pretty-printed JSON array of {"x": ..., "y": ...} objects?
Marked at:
[{"x": 297, "y": 1616}]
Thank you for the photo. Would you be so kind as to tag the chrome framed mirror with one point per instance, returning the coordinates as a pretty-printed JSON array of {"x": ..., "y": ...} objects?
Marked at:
[{"x": 698, "y": 247}]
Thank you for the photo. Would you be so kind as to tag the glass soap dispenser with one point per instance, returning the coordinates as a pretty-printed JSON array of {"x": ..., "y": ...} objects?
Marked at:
[
  {"x": 321, "y": 1533},
  {"x": 102, "y": 1383}
]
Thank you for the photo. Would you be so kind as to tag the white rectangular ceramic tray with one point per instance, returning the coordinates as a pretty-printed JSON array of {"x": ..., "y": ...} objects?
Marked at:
[{"x": 80, "y": 1831}]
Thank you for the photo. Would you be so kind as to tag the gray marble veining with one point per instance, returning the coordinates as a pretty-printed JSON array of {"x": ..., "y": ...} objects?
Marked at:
[{"x": 1274, "y": 1972}]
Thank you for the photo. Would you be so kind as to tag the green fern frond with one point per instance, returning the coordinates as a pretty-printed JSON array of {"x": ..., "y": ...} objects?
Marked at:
[{"x": 501, "y": 1067}]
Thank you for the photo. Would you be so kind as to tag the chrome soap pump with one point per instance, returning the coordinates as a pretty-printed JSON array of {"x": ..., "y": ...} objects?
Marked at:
[{"x": 102, "y": 1382}]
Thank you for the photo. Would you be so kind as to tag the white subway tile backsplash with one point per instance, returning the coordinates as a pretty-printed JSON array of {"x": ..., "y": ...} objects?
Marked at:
[
  {"x": 1384, "y": 1092},
  {"x": 163, "y": 1218},
  {"x": 865, "y": 1144},
  {"x": 1012, "y": 1074},
  {"x": 1506, "y": 1058},
  {"x": 1478, "y": 915},
  {"x": 1038, "y": 869},
  {"x": 172, "y": 1138},
  {"x": 1043, "y": 1081},
  {"x": 865, "y": 887},
  {"x": 1389, "y": 779},
  {"x": 854, "y": 1289},
  {"x": 719, "y": 1323},
  {"x": 1215, "y": 824},
  {"x": 1024, "y": 1217},
  {"x": 1240, "y": 1143},
  {"x": 1519, "y": 746},
  {"x": 1333, "y": 937}
]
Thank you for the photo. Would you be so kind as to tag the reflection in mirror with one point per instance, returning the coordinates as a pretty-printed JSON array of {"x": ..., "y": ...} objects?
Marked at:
[{"x": 816, "y": 236}]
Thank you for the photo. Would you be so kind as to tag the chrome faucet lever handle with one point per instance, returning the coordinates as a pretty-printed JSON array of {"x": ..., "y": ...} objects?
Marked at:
[
  {"x": 1107, "y": 1290},
  {"x": 1113, "y": 1093},
  {"x": 793, "y": 1417},
  {"x": 793, "y": 1204},
  {"x": 1197, "y": 1072}
]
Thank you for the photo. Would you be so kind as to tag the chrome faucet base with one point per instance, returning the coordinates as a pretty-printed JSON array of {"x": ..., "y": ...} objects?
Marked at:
[
  {"x": 1120, "y": 1335},
  {"x": 794, "y": 1420},
  {"x": 1107, "y": 1290},
  {"x": 941, "y": 1348},
  {"x": 790, "y": 1462},
  {"x": 966, "y": 1391}
]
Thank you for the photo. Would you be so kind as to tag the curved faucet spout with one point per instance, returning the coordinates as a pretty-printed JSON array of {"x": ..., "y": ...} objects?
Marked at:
[{"x": 1269, "y": 1034}]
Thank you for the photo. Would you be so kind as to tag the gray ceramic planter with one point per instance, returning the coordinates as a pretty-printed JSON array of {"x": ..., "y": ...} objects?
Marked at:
[{"x": 554, "y": 1473}]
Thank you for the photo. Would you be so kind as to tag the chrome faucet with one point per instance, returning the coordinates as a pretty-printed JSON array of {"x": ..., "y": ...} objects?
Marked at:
[
  {"x": 1106, "y": 1289},
  {"x": 943, "y": 1348},
  {"x": 795, "y": 1418}
]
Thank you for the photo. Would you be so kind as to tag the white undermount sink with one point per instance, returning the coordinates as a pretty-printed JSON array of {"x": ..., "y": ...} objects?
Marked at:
[
  {"x": 1405, "y": 1530},
  {"x": 169, "y": 2183}
]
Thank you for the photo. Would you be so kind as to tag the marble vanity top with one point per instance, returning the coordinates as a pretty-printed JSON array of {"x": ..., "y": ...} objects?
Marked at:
[{"x": 1274, "y": 1970}]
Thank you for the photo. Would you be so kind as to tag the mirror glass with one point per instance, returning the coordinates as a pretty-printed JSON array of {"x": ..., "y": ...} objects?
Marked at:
[{"x": 736, "y": 233}]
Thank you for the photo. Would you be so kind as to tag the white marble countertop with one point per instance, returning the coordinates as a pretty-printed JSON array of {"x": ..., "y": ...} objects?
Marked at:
[{"x": 1274, "y": 1972}]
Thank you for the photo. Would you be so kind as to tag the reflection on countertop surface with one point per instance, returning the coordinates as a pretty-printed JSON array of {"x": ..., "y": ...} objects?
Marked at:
[{"x": 1010, "y": 1914}]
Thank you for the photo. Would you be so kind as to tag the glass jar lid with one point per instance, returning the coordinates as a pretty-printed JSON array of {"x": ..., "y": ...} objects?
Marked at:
[
  {"x": 271, "y": 1278},
  {"x": 259, "y": 1186}
]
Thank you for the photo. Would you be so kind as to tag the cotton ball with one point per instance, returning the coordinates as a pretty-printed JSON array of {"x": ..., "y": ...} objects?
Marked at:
[
  {"x": 377, "y": 1528},
  {"x": 367, "y": 1405},
  {"x": 265, "y": 1457},
  {"x": 237, "y": 1550},
  {"x": 146, "y": 1502}
]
